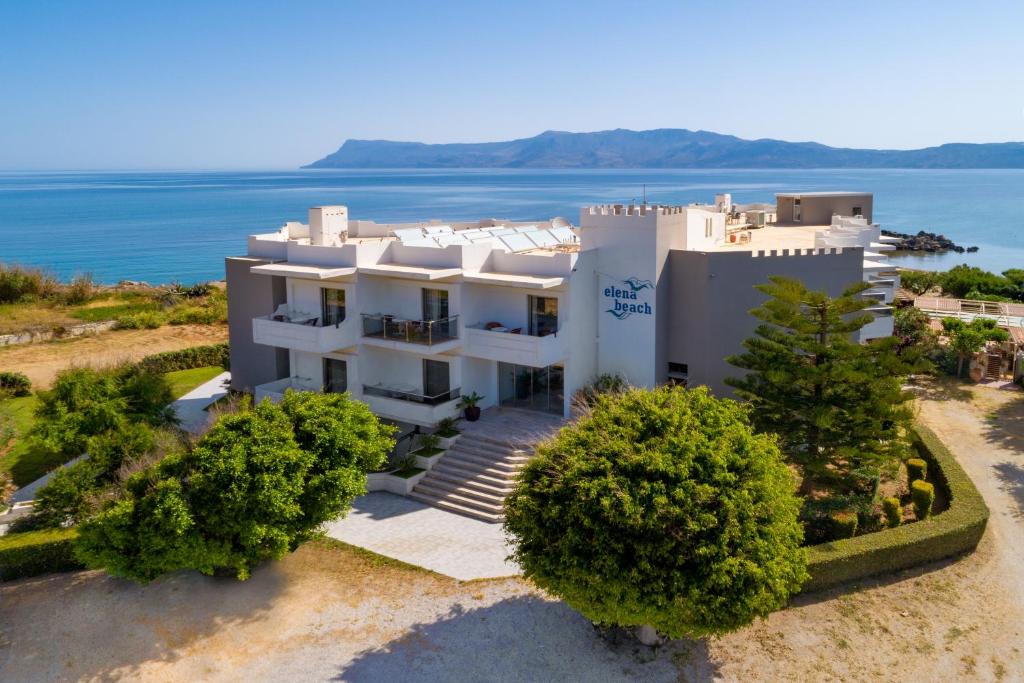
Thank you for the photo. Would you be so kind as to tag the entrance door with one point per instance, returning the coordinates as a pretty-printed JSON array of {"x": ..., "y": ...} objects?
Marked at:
[
  {"x": 435, "y": 378},
  {"x": 529, "y": 388}
]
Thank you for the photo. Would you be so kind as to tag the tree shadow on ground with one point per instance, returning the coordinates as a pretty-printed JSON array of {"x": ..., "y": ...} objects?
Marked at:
[
  {"x": 92, "y": 626},
  {"x": 524, "y": 638},
  {"x": 941, "y": 389},
  {"x": 871, "y": 582},
  {"x": 1011, "y": 480},
  {"x": 1004, "y": 427}
]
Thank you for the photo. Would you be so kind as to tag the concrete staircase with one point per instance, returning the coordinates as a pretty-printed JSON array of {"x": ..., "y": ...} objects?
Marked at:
[{"x": 473, "y": 477}]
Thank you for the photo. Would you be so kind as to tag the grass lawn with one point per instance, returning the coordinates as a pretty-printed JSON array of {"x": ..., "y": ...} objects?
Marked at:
[
  {"x": 26, "y": 464},
  {"x": 184, "y": 381}
]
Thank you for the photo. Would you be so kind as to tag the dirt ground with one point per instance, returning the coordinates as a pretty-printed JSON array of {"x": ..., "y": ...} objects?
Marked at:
[
  {"x": 42, "y": 361},
  {"x": 334, "y": 614}
]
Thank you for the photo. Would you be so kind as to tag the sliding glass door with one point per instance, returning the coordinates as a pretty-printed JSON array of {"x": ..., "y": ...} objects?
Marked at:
[
  {"x": 332, "y": 306},
  {"x": 528, "y": 388},
  {"x": 543, "y": 316},
  {"x": 335, "y": 376},
  {"x": 436, "y": 379}
]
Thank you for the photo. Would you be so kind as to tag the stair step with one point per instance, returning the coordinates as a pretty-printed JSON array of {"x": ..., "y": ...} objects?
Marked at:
[
  {"x": 465, "y": 501},
  {"x": 485, "y": 461},
  {"x": 469, "y": 438},
  {"x": 460, "y": 509},
  {"x": 489, "y": 449},
  {"x": 472, "y": 469},
  {"x": 497, "y": 487},
  {"x": 443, "y": 489}
]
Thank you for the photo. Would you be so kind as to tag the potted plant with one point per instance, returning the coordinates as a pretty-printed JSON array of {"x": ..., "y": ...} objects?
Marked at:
[
  {"x": 470, "y": 408},
  {"x": 446, "y": 432},
  {"x": 428, "y": 452}
]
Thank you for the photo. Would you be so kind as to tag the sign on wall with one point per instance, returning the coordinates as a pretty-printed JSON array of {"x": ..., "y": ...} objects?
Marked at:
[{"x": 631, "y": 298}]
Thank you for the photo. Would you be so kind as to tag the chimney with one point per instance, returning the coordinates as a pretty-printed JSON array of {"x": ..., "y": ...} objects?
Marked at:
[{"x": 327, "y": 224}]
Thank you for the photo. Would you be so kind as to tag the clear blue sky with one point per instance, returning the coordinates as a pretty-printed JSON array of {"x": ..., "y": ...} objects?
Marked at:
[{"x": 130, "y": 85}]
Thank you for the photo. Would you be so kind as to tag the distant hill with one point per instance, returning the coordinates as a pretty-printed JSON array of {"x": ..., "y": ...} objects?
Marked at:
[{"x": 662, "y": 148}]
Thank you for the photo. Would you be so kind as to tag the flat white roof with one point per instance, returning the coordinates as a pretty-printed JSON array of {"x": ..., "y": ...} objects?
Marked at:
[
  {"x": 410, "y": 272},
  {"x": 821, "y": 194},
  {"x": 528, "y": 281},
  {"x": 302, "y": 270}
]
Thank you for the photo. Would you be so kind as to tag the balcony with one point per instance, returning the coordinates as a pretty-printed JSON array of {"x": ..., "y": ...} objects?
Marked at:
[
  {"x": 299, "y": 331},
  {"x": 881, "y": 326},
  {"x": 391, "y": 331},
  {"x": 408, "y": 404},
  {"x": 275, "y": 390},
  {"x": 513, "y": 346}
]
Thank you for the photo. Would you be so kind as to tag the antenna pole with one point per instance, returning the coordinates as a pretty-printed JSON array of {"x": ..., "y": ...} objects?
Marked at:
[{"x": 645, "y": 194}]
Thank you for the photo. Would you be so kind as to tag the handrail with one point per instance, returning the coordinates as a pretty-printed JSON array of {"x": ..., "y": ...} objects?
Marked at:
[
  {"x": 411, "y": 331},
  {"x": 411, "y": 396}
]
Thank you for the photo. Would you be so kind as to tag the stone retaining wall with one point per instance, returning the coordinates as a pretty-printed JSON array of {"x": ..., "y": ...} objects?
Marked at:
[{"x": 47, "y": 335}]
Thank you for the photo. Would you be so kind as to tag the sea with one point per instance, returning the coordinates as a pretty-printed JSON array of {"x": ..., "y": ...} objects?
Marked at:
[{"x": 167, "y": 226}]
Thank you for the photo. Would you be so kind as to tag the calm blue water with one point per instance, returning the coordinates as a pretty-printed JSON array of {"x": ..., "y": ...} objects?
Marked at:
[{"x": 180, "y": 225}]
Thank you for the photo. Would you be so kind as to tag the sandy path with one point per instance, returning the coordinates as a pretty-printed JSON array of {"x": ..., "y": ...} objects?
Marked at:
[
  {"x": 324, "y": 614},
  {"x": 41, "y": 362}
]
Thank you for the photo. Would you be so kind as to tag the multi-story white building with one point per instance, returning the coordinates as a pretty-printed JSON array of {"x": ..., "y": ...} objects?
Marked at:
[{"x": 409, "y": 317}]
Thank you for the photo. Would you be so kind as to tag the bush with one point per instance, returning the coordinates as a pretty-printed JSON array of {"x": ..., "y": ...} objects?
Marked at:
[
  {"x": 955, "y": 531},
  {"x": 14, "y": 383},
  {"x": 603, "y": 384},
  {"x": 446, "y": 427},
  {"x": 254, "y": 487},
  {"x": 893, "y": 512},
  {"x": 85, "y": 402},
  {"x": 916, "y": 469},
  {"x": 663, "y": 508},
  {"x": 187, "y": 359},
  {"x": 79, "y": 290},
  {"x": 37, "y": 552},
  {"x": 64, "y": 499},
  {"x": 148, "y": 320},
  {"x": 18, "y": 283},
  {"x": 923, "y": 495},
  {"x": 844, "y": 524}
]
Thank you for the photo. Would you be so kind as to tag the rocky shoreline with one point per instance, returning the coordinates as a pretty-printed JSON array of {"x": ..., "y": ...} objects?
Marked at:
[{"x": 927, "y": 241}]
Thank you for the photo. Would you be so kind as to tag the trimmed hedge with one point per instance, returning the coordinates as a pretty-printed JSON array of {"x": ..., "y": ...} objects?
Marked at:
[
  {"x": 187, "y": 359},
  {"x": 955, "y": 531},
  {"x": 31, "y": 553}
]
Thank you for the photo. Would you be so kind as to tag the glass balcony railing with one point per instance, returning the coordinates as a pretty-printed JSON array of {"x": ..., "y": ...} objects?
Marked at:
[
  {"x": 425, "y": 332},
  {"x": 401, "y": 394}
]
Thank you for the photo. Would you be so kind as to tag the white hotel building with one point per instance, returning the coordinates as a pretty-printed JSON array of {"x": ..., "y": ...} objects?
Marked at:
[{"x": 408, "y": 317}]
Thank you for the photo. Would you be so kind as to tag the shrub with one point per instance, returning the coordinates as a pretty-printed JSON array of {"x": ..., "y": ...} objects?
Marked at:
[
  {"x": 15, "y": 383},
  {"x": 604, "y": 384},
  {"x": 893, "y": 512},
  {"x": 64, "y": 499},
  {"x": 79, "y": 290},
  {"x": 663, "y": 508},
  {"x": 18, "y": 283},
  {"x": 187, "y": 359},
  {"x": 429, "y": 442},
  {"x": 923, "y": 495},
  {"x": 254, "y": 487},
  {"x": 37, "y": 552},
  {"x": 916, "y": 469},
  {"x": 149, "y": 320},
  {"x": 446, "y": 427},
  {"x": 844, "y": 524},
  {"x": 952, "y": 532}
]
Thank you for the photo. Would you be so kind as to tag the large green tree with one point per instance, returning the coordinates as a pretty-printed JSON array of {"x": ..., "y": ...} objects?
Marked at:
[
  {"x": 837, "y": 405},
  {"x": 660, "y": 508},
  {"x": 254, "y": 487},
  {"x": 966, "y": 339}
]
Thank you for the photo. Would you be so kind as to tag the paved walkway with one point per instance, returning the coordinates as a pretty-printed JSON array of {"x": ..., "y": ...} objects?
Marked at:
[
  {"x": 191, "y": 408},
  {"x": 410, "y": 531}
]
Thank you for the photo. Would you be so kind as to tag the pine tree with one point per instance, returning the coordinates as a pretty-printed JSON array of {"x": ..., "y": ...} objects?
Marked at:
[{"x": 836, "y": 405}]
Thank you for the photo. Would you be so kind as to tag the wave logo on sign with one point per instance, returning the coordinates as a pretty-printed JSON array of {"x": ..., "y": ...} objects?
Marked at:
[{"x": 625, "y": 301}]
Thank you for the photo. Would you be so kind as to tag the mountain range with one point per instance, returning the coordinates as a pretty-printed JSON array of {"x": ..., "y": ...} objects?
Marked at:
[{"x": 661, "y": 148}]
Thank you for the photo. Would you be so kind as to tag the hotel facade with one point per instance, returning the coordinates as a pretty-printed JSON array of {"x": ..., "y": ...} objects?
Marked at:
[{"x": 411, "y": 317}]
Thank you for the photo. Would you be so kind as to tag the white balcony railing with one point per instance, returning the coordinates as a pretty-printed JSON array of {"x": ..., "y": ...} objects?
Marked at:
[
  {"x": 515, "y": 347},
  {"x": 304, "y": 333}
]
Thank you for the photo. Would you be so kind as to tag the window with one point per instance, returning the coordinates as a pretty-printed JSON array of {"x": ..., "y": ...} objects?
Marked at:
[
  {"x": 857, "y": 211},
  {"x": 332, "y": 306},
  {"x": 335, "y": 376},
  {"x": 435, "y": 378},
  {"x": 678, "y": 374},
  {"x": 542, "y": 316},
  {"x": 796, "y": 210},
  {"x": 435, "y": 304},
  {"x": 708, "y": 227}
]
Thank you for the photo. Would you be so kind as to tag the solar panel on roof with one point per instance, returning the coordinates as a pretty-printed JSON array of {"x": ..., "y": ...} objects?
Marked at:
[
  {"x": 542, "y": 238},
  {"x": 517, "y": 242},
  {"x": 421, "y": 242},
  {"x": 494, "y": 228},
  {"x": 472, "y": 231},
  {"x": 563, "y": 235},
  {"x": 408, "y": 234},
  {"x": 526, "y": 228},
  {"x": 438, "y": 230},
  {"x": 503, "y": 231},
  {"x": 445, "y": 240}
]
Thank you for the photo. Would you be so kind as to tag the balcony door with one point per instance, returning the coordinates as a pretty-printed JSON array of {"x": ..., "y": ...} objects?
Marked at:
[
  {"x": 435, "y": 308},
  {"x": 335, "y": 376},
  {"x": 542, "y": 316},
  {"x": 435, "y": 378},
  {"x": 332, "y": 306}
]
